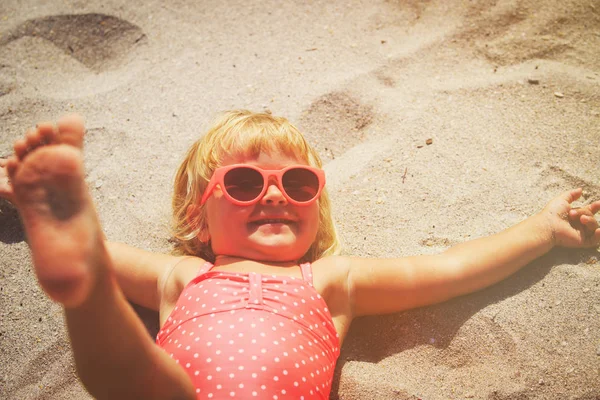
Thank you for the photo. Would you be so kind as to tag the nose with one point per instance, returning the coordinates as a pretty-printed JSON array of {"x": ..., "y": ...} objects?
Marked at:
[{"x": 273, "y": 195}]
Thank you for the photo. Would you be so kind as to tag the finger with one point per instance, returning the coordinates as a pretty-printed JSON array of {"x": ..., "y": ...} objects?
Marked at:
[
  {"x": 3, "y": 162},
  {"x": 596, "y": 238},
  {"x": 7, "y": 193},
  {"x": 595, "y": 207},
  {"x": 589, "y": 222},
  {"x": 572, "y": 195},
  {"x": 5, "y": 186},
  {"x": 574, "y": 213}
]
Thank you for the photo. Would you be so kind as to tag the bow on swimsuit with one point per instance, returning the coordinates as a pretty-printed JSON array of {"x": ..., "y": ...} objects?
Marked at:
[{"x": 245, "y": 335}]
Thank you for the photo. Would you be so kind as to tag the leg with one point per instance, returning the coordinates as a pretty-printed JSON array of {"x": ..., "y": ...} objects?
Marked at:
[
  {"x": 114, "y": 354},
  {"x": 50, "y": 194}
]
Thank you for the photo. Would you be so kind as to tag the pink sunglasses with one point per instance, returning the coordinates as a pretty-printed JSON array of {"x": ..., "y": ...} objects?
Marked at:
[{"x": 245, "y": 184}]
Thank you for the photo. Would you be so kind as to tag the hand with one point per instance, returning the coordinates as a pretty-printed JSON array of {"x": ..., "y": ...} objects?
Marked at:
[
  {"x": 573, "y": 227},
  {"x": 6, "y": 190}
]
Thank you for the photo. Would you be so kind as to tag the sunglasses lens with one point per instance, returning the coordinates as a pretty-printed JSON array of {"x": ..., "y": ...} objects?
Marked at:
[
  {"x": 243, "y": 184},
  {"x": 301, "y": 184}
]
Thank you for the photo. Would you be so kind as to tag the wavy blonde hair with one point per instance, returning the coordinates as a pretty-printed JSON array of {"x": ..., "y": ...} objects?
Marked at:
[{"x": 246, "y": 133}]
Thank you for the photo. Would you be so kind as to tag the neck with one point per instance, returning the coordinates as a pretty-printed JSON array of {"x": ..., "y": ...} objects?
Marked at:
[{"x": 222, "y": 260}]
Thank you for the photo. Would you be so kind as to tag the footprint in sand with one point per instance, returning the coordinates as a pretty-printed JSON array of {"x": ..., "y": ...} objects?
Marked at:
[
  {"x": 335, "y": 122},
  {"x": 97, "y": 41},
  {"x": 554, "y": 178},
  {"x": 513, "y": 32}
]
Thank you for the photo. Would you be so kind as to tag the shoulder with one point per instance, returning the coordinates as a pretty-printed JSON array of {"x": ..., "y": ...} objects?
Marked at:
[
  {"x": 336, "y": 273},
  {"x": 336, "y": 267},
  {"x": 331, "y": 265}
]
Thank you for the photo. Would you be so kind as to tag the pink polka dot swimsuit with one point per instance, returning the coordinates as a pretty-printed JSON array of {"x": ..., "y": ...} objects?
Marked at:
[{"x": 243, "y": 336}]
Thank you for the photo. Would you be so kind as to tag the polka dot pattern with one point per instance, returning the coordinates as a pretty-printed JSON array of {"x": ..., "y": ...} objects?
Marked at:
[{"x": 250, "y": 335}]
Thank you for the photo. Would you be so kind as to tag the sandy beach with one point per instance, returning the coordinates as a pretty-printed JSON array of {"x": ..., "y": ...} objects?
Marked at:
[{"x": 439, "y": 121}]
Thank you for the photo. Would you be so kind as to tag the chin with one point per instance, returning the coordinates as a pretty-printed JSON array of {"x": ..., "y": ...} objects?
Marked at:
[{"x": 281, "y": 251}]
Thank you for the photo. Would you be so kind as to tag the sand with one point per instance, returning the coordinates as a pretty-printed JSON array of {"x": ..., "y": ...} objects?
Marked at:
[{"x": 507, "y": 92}]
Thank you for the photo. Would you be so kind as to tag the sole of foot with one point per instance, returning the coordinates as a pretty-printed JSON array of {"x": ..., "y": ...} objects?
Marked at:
[{"x": 58, "y": 214}]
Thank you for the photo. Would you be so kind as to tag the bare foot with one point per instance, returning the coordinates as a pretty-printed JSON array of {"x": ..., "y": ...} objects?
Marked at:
[{"x": 50, "y": 193}]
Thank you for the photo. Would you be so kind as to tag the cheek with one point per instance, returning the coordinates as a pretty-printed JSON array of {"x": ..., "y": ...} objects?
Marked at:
[
  {"x": 223, "y": 217},
  {"x": 312, "y": 221}
]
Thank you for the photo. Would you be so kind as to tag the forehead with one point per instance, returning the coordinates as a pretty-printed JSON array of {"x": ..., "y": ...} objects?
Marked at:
[
  {"x": 248, "y": 140},
  {"x": 274, "y": 159}
]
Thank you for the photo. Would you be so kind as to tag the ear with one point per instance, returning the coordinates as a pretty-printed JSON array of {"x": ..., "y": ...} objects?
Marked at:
[{"x": 191, "y": 214}]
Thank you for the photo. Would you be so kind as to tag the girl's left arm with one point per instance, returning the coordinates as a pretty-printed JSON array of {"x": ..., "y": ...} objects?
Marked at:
[{"x": 380, "y": 286}]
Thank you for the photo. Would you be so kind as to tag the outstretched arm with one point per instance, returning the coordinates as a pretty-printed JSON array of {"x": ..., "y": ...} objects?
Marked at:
[{"x": 392, "y": 285}]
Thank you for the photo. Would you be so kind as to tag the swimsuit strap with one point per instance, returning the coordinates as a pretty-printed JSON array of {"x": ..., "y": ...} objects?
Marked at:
[
  {"x": 307, "y": 275},
  {"x": 207, "y": 266}
]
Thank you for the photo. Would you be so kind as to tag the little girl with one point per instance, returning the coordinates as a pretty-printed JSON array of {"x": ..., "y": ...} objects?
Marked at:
[{"x": 256, "y": 303}]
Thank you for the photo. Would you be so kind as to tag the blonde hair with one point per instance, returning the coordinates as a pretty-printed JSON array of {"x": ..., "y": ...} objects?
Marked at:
[{"x": 246, "y": 133}]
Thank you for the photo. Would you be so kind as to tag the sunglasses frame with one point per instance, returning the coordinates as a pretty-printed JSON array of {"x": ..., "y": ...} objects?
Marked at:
[{"x": 218, "y": 178}]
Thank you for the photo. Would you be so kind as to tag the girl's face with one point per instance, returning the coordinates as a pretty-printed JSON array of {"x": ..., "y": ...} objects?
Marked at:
[{"x": 271, "y": 229}]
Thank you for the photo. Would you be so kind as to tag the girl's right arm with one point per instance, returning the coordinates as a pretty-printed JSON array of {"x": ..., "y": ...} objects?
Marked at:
[{"x": 141, "y": 274}]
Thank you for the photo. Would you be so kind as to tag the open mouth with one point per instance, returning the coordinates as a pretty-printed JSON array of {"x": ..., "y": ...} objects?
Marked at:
[{"x": 271, "y": 221}]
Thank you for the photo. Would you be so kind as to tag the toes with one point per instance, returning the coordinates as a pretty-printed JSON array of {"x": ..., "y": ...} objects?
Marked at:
[
  {"x": 42, "y": 134},
  {"x": 32, "y": 139},
  {"x": 11, "y": 165},
  {"x": 20, "y": 147},
  {"x": 46, "y": 132},
  {"x": 71, "y": 130}
]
